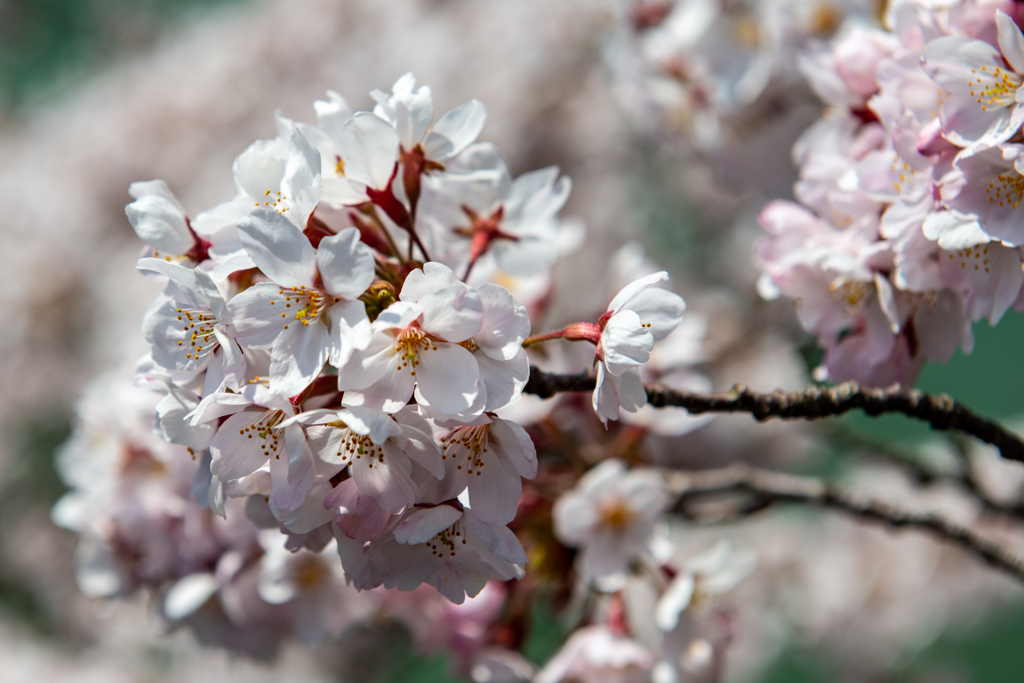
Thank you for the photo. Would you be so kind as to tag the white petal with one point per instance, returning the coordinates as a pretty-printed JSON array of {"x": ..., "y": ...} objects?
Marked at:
[
  {"x": 451, "y": 309},
  {"x": 503, "y": 381},
  {"x": 635, "y": 287},
  {"x": 160, "y": 223},
  {"x": 188, "y": 594},
  {"x": 625, "y": 343},
  {"x": 234, "y": 454},
  {"x": 494, "y": 490},
  {"x": 367, "y": 366},
  {"x": 517, "y": 446},
  {"x": 298, "y": 357},
  {"x": 446, "y": 378},
  {"x": 674, "y": 601},
  {"x": 422, "y": 524},
  {"x": 278, "y": 248},
  {"x": 349, "y": 330},
  {"x": 390, "y": 393},
  {"x": 455, "y": 131},
  {"x": 290, "y": 490},
  {"x": 505, "y": 323},
  {"x": 376, "y": 424},
  {"x": 254, "y": 321},
  {"x": 1011, "y": 41},
  {"x": 660, "y": 310},
  {"x": 369, "y": 148},
  {"x": 386, "y": 481},
  {"x": 346, "y": 265}
]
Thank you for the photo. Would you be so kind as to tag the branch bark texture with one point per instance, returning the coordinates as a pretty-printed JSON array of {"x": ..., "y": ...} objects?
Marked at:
[
  {"x": 768, "y": 488},
  {"x": 813, "y": 403}
]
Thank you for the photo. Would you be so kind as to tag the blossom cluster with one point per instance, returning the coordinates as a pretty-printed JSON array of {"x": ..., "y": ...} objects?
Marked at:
[
  {"x": 715, "y": 72},
  {"x": 330, "y": 347},
  {"x": 908, "y": 228}
]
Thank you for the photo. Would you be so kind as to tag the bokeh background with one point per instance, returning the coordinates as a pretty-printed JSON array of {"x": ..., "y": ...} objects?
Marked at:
[{"x": 95, "y": 94}]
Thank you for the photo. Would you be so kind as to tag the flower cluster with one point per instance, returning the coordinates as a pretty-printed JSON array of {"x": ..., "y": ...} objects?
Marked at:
[
  {"x": 715, "y": 72},
  {"x": 910, "y": 187},
  {"x": 331, "y": 346}
]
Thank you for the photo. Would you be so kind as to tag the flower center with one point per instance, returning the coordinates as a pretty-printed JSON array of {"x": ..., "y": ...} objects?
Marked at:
[
  {"x": 470, "y": 442},
  {"x": 408, "y": 346},
  {"x": 446, "y": 541},
  {"x": 850, "y": 294},
  {"x": 358, "y": 446},
  {"x": 994, "y": 88},
  {"x": 276, "y": 201},
  {"x": 616, "y": 516},
  {"x": 305, "y": 303},
  {"x": 198, "y": 328},
  {"x": 1007, "y": 188},
  {"x": 263, "y": 428},
  {"x": 973, "y": 256}
]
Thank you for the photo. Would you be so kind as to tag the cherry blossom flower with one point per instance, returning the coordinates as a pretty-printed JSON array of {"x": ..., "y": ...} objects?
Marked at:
[
  {"x": 160, "y": 221},
  {"x": 638, "y": 316},
  {"x": 478, "y": 209},
  {"x": 983, "y": 83},
  {"x": 378, "y": 451},
  {"x": 611, "y": 514},
  {"x": 309, "y": 313},
  {"x": 416, "y": 346},
  {"x": 493, "y": 456},
  {"x": 280, "y": 175},
  {"x": 702, "y": 579},
  {"x": 257, "y": 433},
  {"x": 187, "y": 327},
  {"x": 443, "y": 545},
  {"x": 594, "y": 654}
]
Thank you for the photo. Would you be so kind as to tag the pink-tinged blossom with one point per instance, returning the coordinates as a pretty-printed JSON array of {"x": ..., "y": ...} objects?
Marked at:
[
  {"x": 982, "y": 83},
  {"x": 186, "y": 327},
  {"x": 378, "y": 450},
  {"x": 638, "y": 316},
  {"x": 311, "y": 589},
  {"x": 281, "y": 175},
  {"x": 479, "y": 211},
  {"x": 444, "y": 546},
  {"x": 259, "y": 434},
  {"x": 309, "y": 313},
  {"x": 845, "y": 73},
  {"x": 700, "y": 580},
  {"x": 990, "y": 186},
  {"x": 599, "y": 654},
  {"x": 416, "y": 346},
  {"x": 160, "y": 221},
  {"x": 611, "y": 514},
  {"x": 493, "y": 456}
]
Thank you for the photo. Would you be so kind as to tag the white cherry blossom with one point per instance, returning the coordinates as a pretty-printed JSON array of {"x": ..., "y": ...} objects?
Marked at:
[
  {"x": 492, "y": 457},
  {"x": 160, "y": 221},
  {"x": 416, "y": 347},
  {"x": 638, "y": 316},
  {"x": 187, "y": 326},
  {"x": 281, "y": 175},
  {"x": 611, "y": 514},
  {"x": 309, "y": 313},
  {"x": 983, "y": 83},
  {"x": 378, "y": 451}
]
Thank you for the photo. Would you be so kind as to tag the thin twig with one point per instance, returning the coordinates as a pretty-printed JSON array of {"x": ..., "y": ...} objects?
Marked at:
[
  {"x": 965, "y": 479},
  {"x": 813, "y": 403},
  {"x": 770, "y": 488}
]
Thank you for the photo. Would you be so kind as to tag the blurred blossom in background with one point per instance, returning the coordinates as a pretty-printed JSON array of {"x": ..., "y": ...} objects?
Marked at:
[{"x": 675, "y": 122}]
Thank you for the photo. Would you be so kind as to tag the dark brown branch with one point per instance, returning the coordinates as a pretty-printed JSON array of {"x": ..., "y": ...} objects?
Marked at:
[
  {"x": 770, "y": 488},
  {"x": 813, "y": 403}
]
